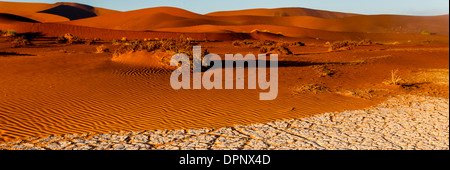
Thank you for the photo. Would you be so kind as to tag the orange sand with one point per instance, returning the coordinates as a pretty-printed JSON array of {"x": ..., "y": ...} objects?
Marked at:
[{"x": 50, "y": 89}]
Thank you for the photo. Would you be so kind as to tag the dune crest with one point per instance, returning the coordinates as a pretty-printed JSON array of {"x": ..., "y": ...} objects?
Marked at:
[
  {"x": 173, "y": 18},
  {"x": 58, "y": 12},
  {"x": 9, "y": 18},
  {"x": 283, "y": 12},
  {"x": 155, "y": 59}
]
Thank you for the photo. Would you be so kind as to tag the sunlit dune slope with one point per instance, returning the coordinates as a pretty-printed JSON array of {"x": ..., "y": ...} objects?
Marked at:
[{"x": 164, "y": 17}]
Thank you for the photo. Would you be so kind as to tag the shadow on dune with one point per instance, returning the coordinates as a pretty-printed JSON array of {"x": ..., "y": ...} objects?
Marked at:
[
  {"x": 5, "y": 54},
  {"x": 31, "y": 35},
  {"x": 73, "y": 13},
  {"x": 11, "y": 17},
  {"x": 280, "y": 64}
]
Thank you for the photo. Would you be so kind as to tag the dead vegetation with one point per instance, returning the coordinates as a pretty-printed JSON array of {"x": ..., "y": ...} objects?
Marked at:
[
  {"x": 347, "y": 45},
  {"x": 266, "y": 46},
  {"x": 395, "y": 78},
  {"x": 17, "y": 40},
  {"x": 69, "y": 39},
  {"x": 102, "y": 49},
  {"x": 182, "y": 45}
]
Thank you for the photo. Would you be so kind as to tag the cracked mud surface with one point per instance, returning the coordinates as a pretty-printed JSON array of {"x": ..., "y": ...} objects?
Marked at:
[{"x": 401, "y": 123}]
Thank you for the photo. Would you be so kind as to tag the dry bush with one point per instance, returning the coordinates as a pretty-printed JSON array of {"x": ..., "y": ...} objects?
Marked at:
[
  {"x": 182, "y": 45},
  {"x": 20, "y": 41},
  {"x": 294, "y": 44},
  {"x": 270, "y": 46},
  {"x": 8, "y": 33},
  {"x": 69, "y": 39},
  {"x": 237, "y": 43},
  {"x": 426, "y": 32},
  {"x": 17, "y": 40},
  {"x": 365, "y": 42},
  {"x": 266, "y": 46},
  {"x": 343, "y": 45},
  {"x": 395, "y": 78},
  {"x": 116, "y": 42},
  {"x": 90, "y": 42},
  {"x": 266, "y": 49},
  {"x": 102, "y": 49}
]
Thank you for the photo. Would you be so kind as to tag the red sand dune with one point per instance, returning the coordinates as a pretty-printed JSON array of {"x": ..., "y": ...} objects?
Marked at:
[
  {"x": 43, "y": 12},
  {"x": 146, "y": 19},
  {"x": 10, "y": 18},
  {"x": 305, "y": 33},
  {"x": 39, "y": 17},
  {"x": 283, "y": 12},
  {"x": 56, "y": 30},
  {"x": 232, "y": 33},
  {"x": 157, "y": 18},
  {"x": 62, "y": 89}
]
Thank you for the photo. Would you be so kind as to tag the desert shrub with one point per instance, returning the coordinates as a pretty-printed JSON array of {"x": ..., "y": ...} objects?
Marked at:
[
  {"x": 426, "y": 32},
  {"x": 282, "y": 48},
  {"x": 270, "y": 46},
  {"x": 266, "y": 49},
  {"x": 69, "y": 39},
  {"x": 237, "y": 43},
  {"x": 9, "y": 33},
  {"x": 20, "y": 41},
  {"x": 343, "y": 45},
  {"x": 90, "y": 42},
  {"x": 182, "y": 45},
  {"x": 365, "y": 42},
  {"x": 258, "y": 44},
  {"x": 298, "y": 43},
  {"x": 102, "y": 49},
  {"x": 395, "y": 78}
]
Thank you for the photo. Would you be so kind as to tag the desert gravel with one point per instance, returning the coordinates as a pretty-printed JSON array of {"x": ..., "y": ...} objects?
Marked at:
[{"x": 401, "y": 123}]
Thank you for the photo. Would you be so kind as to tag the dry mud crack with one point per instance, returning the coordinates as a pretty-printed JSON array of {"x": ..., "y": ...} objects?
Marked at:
[{"x": 401, "y": 123}]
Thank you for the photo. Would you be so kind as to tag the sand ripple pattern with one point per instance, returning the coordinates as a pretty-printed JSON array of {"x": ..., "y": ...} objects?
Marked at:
[{"x": 402, "y": 123}]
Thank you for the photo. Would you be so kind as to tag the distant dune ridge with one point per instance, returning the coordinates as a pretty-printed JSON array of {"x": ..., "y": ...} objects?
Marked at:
[
  {"x": 285, "y": 12},
  {"x": 288, "y": 22},
  {"x": 61, "y": 11}
]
